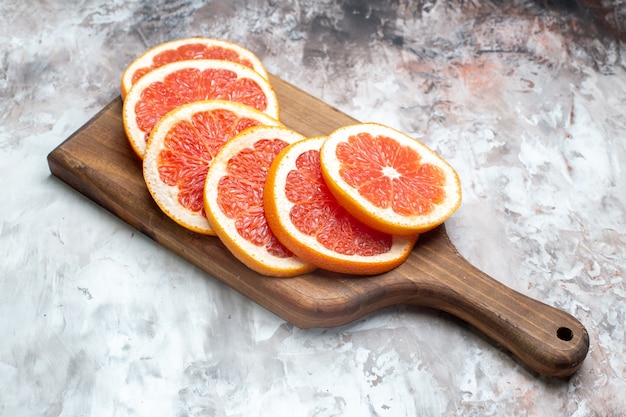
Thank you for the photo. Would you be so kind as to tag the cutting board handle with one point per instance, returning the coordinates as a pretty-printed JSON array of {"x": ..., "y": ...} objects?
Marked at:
[{"x": 547, "y": 339}]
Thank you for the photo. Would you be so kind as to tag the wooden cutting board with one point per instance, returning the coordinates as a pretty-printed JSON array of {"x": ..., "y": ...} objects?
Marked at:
[{"x": 98, "y": 162}]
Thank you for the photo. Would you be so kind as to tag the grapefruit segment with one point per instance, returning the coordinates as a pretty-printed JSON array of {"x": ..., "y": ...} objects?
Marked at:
[
  {"x": 308, "y": 220},
  {"x": 389, "y": 180},
  {"x": 180, "y": 150},
  {"x": 174, "y": 84},
  {"x": 233, "y": 201},
  {"x": 188, "y": 49}
]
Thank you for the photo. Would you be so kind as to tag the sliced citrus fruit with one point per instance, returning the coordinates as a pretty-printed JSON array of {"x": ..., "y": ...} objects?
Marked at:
[
  {"x": 233, "y": 201},
  {"x": 178, "y": 83},
  {"x": 308, "y": 220},
  {"x": 186, "y": 49},
  {"x": 389, "y": 180},
  {"x": 180, "y": 150}
]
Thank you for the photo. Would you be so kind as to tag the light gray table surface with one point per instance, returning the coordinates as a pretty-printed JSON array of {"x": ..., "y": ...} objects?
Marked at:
[{"x": 528, "y": 103}]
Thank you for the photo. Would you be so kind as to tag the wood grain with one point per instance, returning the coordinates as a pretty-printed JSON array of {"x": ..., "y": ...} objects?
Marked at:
[{"x": 98, "y": 162}]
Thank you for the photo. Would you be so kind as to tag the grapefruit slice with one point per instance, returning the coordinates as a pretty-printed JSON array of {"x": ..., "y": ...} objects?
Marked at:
[
  {"x": 180, "y": 150},
  {"x": 233, "y": 201},
  {"x": 308, "y": 220},
  {"x": 182, "y": 82},
  {"x": 186, "y": 49},
  {"x": 389, "y": 180}
]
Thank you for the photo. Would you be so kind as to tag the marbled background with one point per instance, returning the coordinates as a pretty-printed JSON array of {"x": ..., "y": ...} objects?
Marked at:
[{"x": 527, "y": 99}]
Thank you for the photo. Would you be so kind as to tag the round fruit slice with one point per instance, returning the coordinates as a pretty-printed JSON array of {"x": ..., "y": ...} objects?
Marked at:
[
  {"x": 182, "y": 82},
  {"x": 186, "y": 49},
  {"x": 308, "y": 220},
  {"x": 389, "y": 180},
  {"x": 180, "y": 150},
  {"x": 233, "y": 200}
]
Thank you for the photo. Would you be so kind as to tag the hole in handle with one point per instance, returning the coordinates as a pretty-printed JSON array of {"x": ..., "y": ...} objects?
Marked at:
[{"x": 565, "y": 333}]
